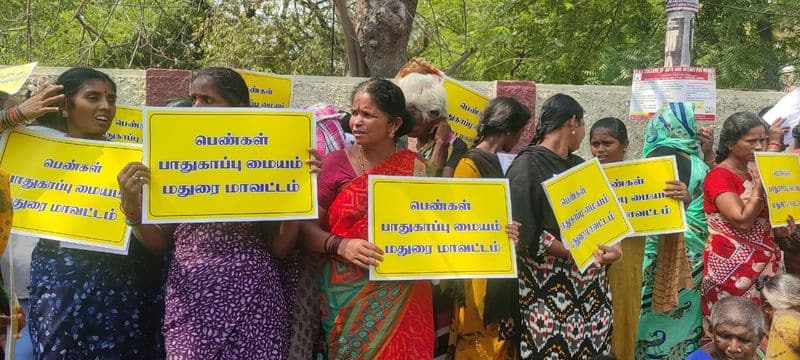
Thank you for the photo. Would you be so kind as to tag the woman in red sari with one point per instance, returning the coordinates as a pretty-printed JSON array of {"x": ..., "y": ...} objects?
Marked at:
[
  {"x": 741, "y": 246},
  {"x": 365, "y": 319}
]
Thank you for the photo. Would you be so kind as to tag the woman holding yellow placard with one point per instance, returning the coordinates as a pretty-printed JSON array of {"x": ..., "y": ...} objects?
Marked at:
[
  {"x": 230, "y": 292},
  {"x": 478, "y": 331},
  {"x": 669, "y": 323},
  {"x": 741, "y": 246},
  {"x": 563, "y": 311},
  {"x": 367, "y": 319},
  {"x": 86, "y": 304},
  {"x": 608, "y": 139}
]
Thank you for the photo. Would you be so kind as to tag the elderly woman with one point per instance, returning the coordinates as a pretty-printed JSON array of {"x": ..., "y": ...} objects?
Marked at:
[
  {"x": 367, "y": 319},
  {"x": 737, "y": 327},
  {"x": 780, "y": 302},
  {"x": 430, "y": 137}
]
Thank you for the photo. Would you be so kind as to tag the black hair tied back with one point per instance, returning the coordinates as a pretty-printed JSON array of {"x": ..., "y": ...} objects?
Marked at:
[
  {"x": 503, "y": 115},
  {"x": 556, "y": 111},
  {"x": 733, "y": 129},
  {"x": 615, "y": 127},
  {"x": 73, "y": 80},
  {"x": 389, "y": 98}
]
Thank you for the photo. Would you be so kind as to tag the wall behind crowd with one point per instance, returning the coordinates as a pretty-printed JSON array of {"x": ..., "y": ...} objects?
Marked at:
[{"x": 153, "y": 87}]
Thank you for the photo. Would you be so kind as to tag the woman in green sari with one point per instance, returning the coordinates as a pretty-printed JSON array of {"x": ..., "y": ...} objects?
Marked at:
[{"x": 670, "y": 323}]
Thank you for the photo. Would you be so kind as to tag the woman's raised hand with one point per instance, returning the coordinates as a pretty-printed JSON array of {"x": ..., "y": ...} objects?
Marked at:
[
  {"x": 45, "y": 101},
  {"x": 777, "y": 131},
  {"x": 706, "y": 136},
  {"x": 131, "y": 179}
]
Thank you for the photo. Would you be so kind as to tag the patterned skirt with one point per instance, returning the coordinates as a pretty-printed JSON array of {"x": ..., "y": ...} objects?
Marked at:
[{"x": 566, "y": 314}]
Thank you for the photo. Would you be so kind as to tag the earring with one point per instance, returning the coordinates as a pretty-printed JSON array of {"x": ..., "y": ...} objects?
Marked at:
[{"x": 64, "y": 114}]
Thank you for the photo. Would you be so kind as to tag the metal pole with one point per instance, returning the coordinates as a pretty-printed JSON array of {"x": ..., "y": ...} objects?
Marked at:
[{"x": 680, "y": 32}]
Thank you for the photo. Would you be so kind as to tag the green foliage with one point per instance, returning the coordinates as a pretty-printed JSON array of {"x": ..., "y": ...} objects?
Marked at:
[
  {"x": 287, "y": 37},
  {"x": 548, "y": 41},
  {"x": 111, "y": 33},
  {"x": 748, "y": 41}
]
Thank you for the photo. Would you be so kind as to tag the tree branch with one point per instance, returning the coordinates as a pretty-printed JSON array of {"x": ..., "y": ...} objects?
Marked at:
[
  {"x": 464, "y": 56},
  {"x": 28, "y": 29},
  {"x": 79, "y": 16},
  {"x": 355, "y": 60}
]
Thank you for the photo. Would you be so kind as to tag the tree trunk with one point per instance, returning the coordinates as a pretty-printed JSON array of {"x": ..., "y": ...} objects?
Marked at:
[{"x": 382, "y": 29}]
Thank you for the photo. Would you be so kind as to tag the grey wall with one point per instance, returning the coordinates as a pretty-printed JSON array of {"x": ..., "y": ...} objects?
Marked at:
[{"x": 598, "y": 101}]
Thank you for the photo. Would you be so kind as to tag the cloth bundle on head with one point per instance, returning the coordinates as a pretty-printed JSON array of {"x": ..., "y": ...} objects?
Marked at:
[
  {"x": 418, "y": 66},
  {"x": 330, "y": 136},
  {"x": 423, "y": 87},
  {"x": 673, "y": 126}
]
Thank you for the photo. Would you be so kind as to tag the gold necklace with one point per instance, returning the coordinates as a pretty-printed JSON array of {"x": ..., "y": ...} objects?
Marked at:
[
  {"x": 740, "y": 173},
  {"x": 361, "y": 159}
]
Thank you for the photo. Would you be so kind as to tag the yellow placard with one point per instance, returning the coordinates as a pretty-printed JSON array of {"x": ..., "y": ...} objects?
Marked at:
[
  {"x": 13, "y": 77},
  {"x": 780, "y": 174},
  {"x": 127, "y": 125},
  {"x": 228, "y": 164},
  {"x": 588, "y": 212},
  {"x": 464, "y": 107},
  {"x": 66, "y": 189},
  {"x": 440, "y": 228},
  {"x": 268, "y": 90},
  {"x": 639, "y": 186}
]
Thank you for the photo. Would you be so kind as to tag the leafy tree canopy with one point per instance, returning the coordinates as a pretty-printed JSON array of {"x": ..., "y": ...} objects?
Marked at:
[{"x": 547, "y": 41}]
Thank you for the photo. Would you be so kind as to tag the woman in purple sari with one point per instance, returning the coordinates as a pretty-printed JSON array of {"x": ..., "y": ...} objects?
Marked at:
[{"x": 230, "y": 291}]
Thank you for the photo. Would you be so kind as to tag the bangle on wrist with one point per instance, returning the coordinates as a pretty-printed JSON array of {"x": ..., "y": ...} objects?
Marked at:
[
  {"x": 132, "y": 222},
  {"x": 20, "y": 115},
  {"x": 132, "y": 218},
  {"x": 13, "y": 116},
  {"x": 333, "y": 244},
  {"x": 326, "y": 242}
]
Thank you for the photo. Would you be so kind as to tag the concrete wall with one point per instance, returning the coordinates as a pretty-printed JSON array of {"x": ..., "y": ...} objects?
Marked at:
[{"x": 598, "y": 101}]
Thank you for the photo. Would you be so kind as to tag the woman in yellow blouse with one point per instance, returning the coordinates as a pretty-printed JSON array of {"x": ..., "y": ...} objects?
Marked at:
[
  {"x": 482, "y": 326},
  {"x": 780, "y": 302}
]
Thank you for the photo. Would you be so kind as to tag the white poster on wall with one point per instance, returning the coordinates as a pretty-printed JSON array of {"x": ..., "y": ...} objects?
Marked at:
[{"x": 652, "y": 88}]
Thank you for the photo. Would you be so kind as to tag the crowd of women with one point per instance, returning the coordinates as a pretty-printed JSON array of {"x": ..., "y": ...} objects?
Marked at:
[{"x": 300, "y": 289}]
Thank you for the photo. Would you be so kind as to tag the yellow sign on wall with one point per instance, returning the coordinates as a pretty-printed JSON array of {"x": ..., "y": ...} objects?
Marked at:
[
  {"x": 587, "y": 212},
  {"x": 639, "y": 186},
  {"x": 464, "y": 107},
  {"x": 268, "y": 90},
  {"x": 228, "y": 164},
  {"x": 440, "y": 228},
  {"x": 127, "y": 125},
  {"x": 66, "y": 189},
  {"x": 13, "y": 77},
  {"x": 780, "y": 174}
]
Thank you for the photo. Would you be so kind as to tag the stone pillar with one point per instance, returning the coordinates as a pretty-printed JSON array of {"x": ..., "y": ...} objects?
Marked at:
[
  {"x": 165, "y": 84},
  {"x": 524, "y": 92},
  {"x": 680, "y": 32}
]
